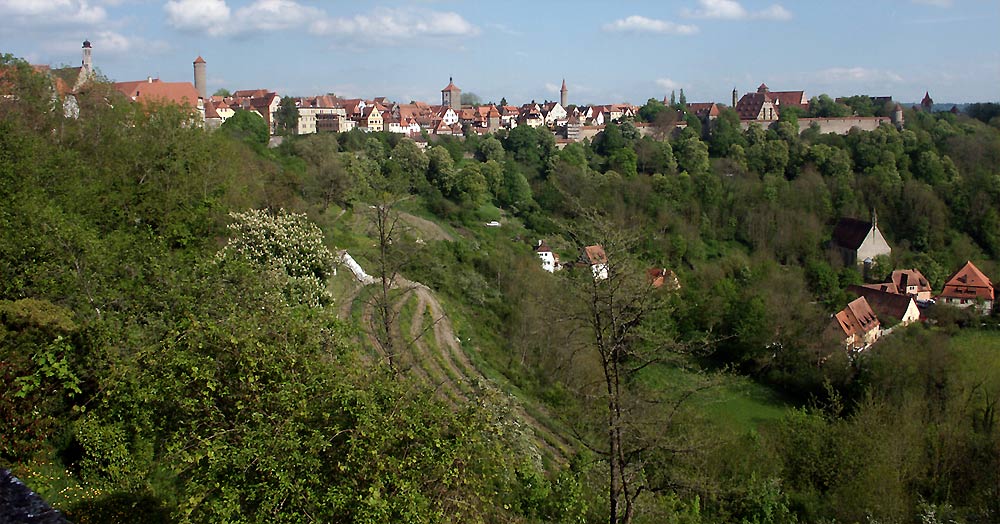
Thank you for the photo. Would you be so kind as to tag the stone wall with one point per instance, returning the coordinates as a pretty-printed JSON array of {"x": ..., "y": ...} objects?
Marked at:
[{"x": 840, "y": 126}]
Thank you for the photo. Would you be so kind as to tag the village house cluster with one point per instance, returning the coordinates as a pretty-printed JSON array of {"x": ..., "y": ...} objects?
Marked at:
[
  {"x": 417, "y": 119},
  {"x": 902, "y": 298}
]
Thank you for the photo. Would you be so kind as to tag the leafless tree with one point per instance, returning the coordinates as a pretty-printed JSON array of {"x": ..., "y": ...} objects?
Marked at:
[{"x": 622, "y": 316}]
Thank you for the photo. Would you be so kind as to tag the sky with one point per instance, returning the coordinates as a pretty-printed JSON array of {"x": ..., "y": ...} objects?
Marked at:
[{"x": 620, "y": 51}]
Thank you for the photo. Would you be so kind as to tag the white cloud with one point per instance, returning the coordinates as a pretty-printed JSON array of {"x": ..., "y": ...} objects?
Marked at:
[
  {"x": 394, "y": 25},
  {"x": 113, "y": 43},
  {"x": 857, "y": 74},
  {"x": 641, "y": 24},
  {"x": 667, "y": 83},
  {"x": 207, "y": 16},
  {"x": 774, "y": 12},
  {"x": 733, "y": 10},
  {"x": 51, "y": 12},
  {"x": 274, "y": 15}
]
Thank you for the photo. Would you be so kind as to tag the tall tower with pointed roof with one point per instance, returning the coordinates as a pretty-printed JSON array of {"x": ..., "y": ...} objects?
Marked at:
[
  {"x": 563, "y": 95},
  {"x": 927, "y": 104},
  {"x": 451, "y": 95},
  {"x": 199, "y": 77}
]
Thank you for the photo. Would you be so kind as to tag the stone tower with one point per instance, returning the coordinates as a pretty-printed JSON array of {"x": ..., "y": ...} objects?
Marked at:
[
  {"x": 88, "y": 60},
  {"x": 897, "y": 117},
  {"x": 199, "y": 77},
  {"x": 451, "y": 96},
  {"x": 563, "y": 95},
  {"x": 735, "y": 94},
  {"x": 927, "y": 104}
]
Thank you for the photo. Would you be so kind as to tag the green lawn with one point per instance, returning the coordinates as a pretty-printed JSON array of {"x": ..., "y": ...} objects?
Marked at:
[{"x": 731, "y": 401}]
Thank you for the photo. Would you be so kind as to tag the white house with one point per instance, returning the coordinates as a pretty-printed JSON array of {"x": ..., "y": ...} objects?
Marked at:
[
  {"x": 550, "y": 260},
  {"x": 859, "y": 241},
  {"x": 554, "y": 113},
  {"x": 598, "y": 261}
]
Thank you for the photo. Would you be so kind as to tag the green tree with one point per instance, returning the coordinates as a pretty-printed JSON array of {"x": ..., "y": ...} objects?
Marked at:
[
  {"x": 692, "y": 155},
  {"x": 286, "y": 118},
  {"x": 223, "y": 92},
  {"x": 247, "y": 126}
]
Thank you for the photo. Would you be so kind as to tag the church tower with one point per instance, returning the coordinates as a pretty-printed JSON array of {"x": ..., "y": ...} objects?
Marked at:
[
  {"x": 199, "y": 77},
  {"x": 563, "y": 95},
  {"x": 88, "y": 60},
  {"x": 451, "y": 96}
]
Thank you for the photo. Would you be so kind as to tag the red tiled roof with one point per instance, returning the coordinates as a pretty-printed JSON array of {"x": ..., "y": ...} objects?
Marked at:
[
  {"x": 199, "y": 60},
  {"x": 885, "y": 305},
  {"x": 887, "y": 287},
  {"x": 968, "y": 283},
  {"x": 903, "y": 278},
  {"x": 153, "y": 91},
  {"x": 704, "y": 109},
  {"x": 857, "y": 318},
  {"x": 595, "y": 254}
]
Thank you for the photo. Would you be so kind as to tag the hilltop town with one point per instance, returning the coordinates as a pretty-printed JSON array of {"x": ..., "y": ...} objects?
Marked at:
[{"x": 450, "y": 117}]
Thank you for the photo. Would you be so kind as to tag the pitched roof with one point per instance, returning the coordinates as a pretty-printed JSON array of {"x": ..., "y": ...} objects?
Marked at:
[
  {"x": 885, "y": 305},
  {"x": 887, "y": 287},
  {"x": 904, "y": 278},
  {"x": 199, "y": 60},
  {"x": 850, "y": 233},
  {"x": 790, "y": 98},
  {"x": 750, "y": 104},
  {"x": 968, "y": 283},
  {"x": 857, "y": 318},
  {"x": 595, "y": 255},
  {"x": 542, "y": 247},
  {"x": 704, "y": 109},
  {"x": 155, "y": 91},
  {"x": 451, "y": 86}
]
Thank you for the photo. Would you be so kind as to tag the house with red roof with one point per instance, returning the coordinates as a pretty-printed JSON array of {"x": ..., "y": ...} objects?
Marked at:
[
  {"x": 911, "y": 282},
  {"x": 891, "y": 308},
  {"x": 595, "y": 257},
  {"x": 857, "y": 325},
  {"x": 968, "y": 287},
  {"x": 153, "y": 91},
  {"x": 766, "y": 104}
]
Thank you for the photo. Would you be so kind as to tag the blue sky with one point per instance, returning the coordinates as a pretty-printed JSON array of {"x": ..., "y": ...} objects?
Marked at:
[{"x": 628, "y": 50}]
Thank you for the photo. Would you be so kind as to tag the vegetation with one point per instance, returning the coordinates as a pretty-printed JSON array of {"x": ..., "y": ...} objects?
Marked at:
[{"x": 175, "y": 345}]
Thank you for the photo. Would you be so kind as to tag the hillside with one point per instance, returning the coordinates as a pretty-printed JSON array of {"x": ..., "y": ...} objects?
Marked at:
[{"x": 182, "y": 341}]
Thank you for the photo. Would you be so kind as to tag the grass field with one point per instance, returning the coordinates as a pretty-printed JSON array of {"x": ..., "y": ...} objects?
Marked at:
[{"x": 733, "y": 402}]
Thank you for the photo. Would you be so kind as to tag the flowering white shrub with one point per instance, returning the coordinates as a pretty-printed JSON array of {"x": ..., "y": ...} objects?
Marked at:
[{"x": 286, "y": 244}]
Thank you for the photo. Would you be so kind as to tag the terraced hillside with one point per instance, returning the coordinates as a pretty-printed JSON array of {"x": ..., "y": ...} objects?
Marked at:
[{"x": 431, "y": 351}]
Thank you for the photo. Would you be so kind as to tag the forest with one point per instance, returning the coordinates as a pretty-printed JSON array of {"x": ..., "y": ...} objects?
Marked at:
[{"x": 182, "y": 341}]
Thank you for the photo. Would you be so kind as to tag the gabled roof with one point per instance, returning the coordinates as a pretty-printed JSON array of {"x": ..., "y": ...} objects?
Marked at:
[
  {"x": 968, "y": 283},
  {"x": 904, "y": 278},
  {"x": 155, "y": 91},
  {"x": 886, "y": 287},
  {"x": 790, "y": 99},
  {"x": 750, "y": 104},
  {"x": 850, "y": 233},
  {"x": 199, "y": 60},
  {"x": 595, "y": 255},
  {"x": 542, "y": 247},
  {"x": 857, "y": 318},
  {"x": 885, "y": 305},
  {"x": 704, "y": 109},
  {"x": 450, "y": 87}
]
